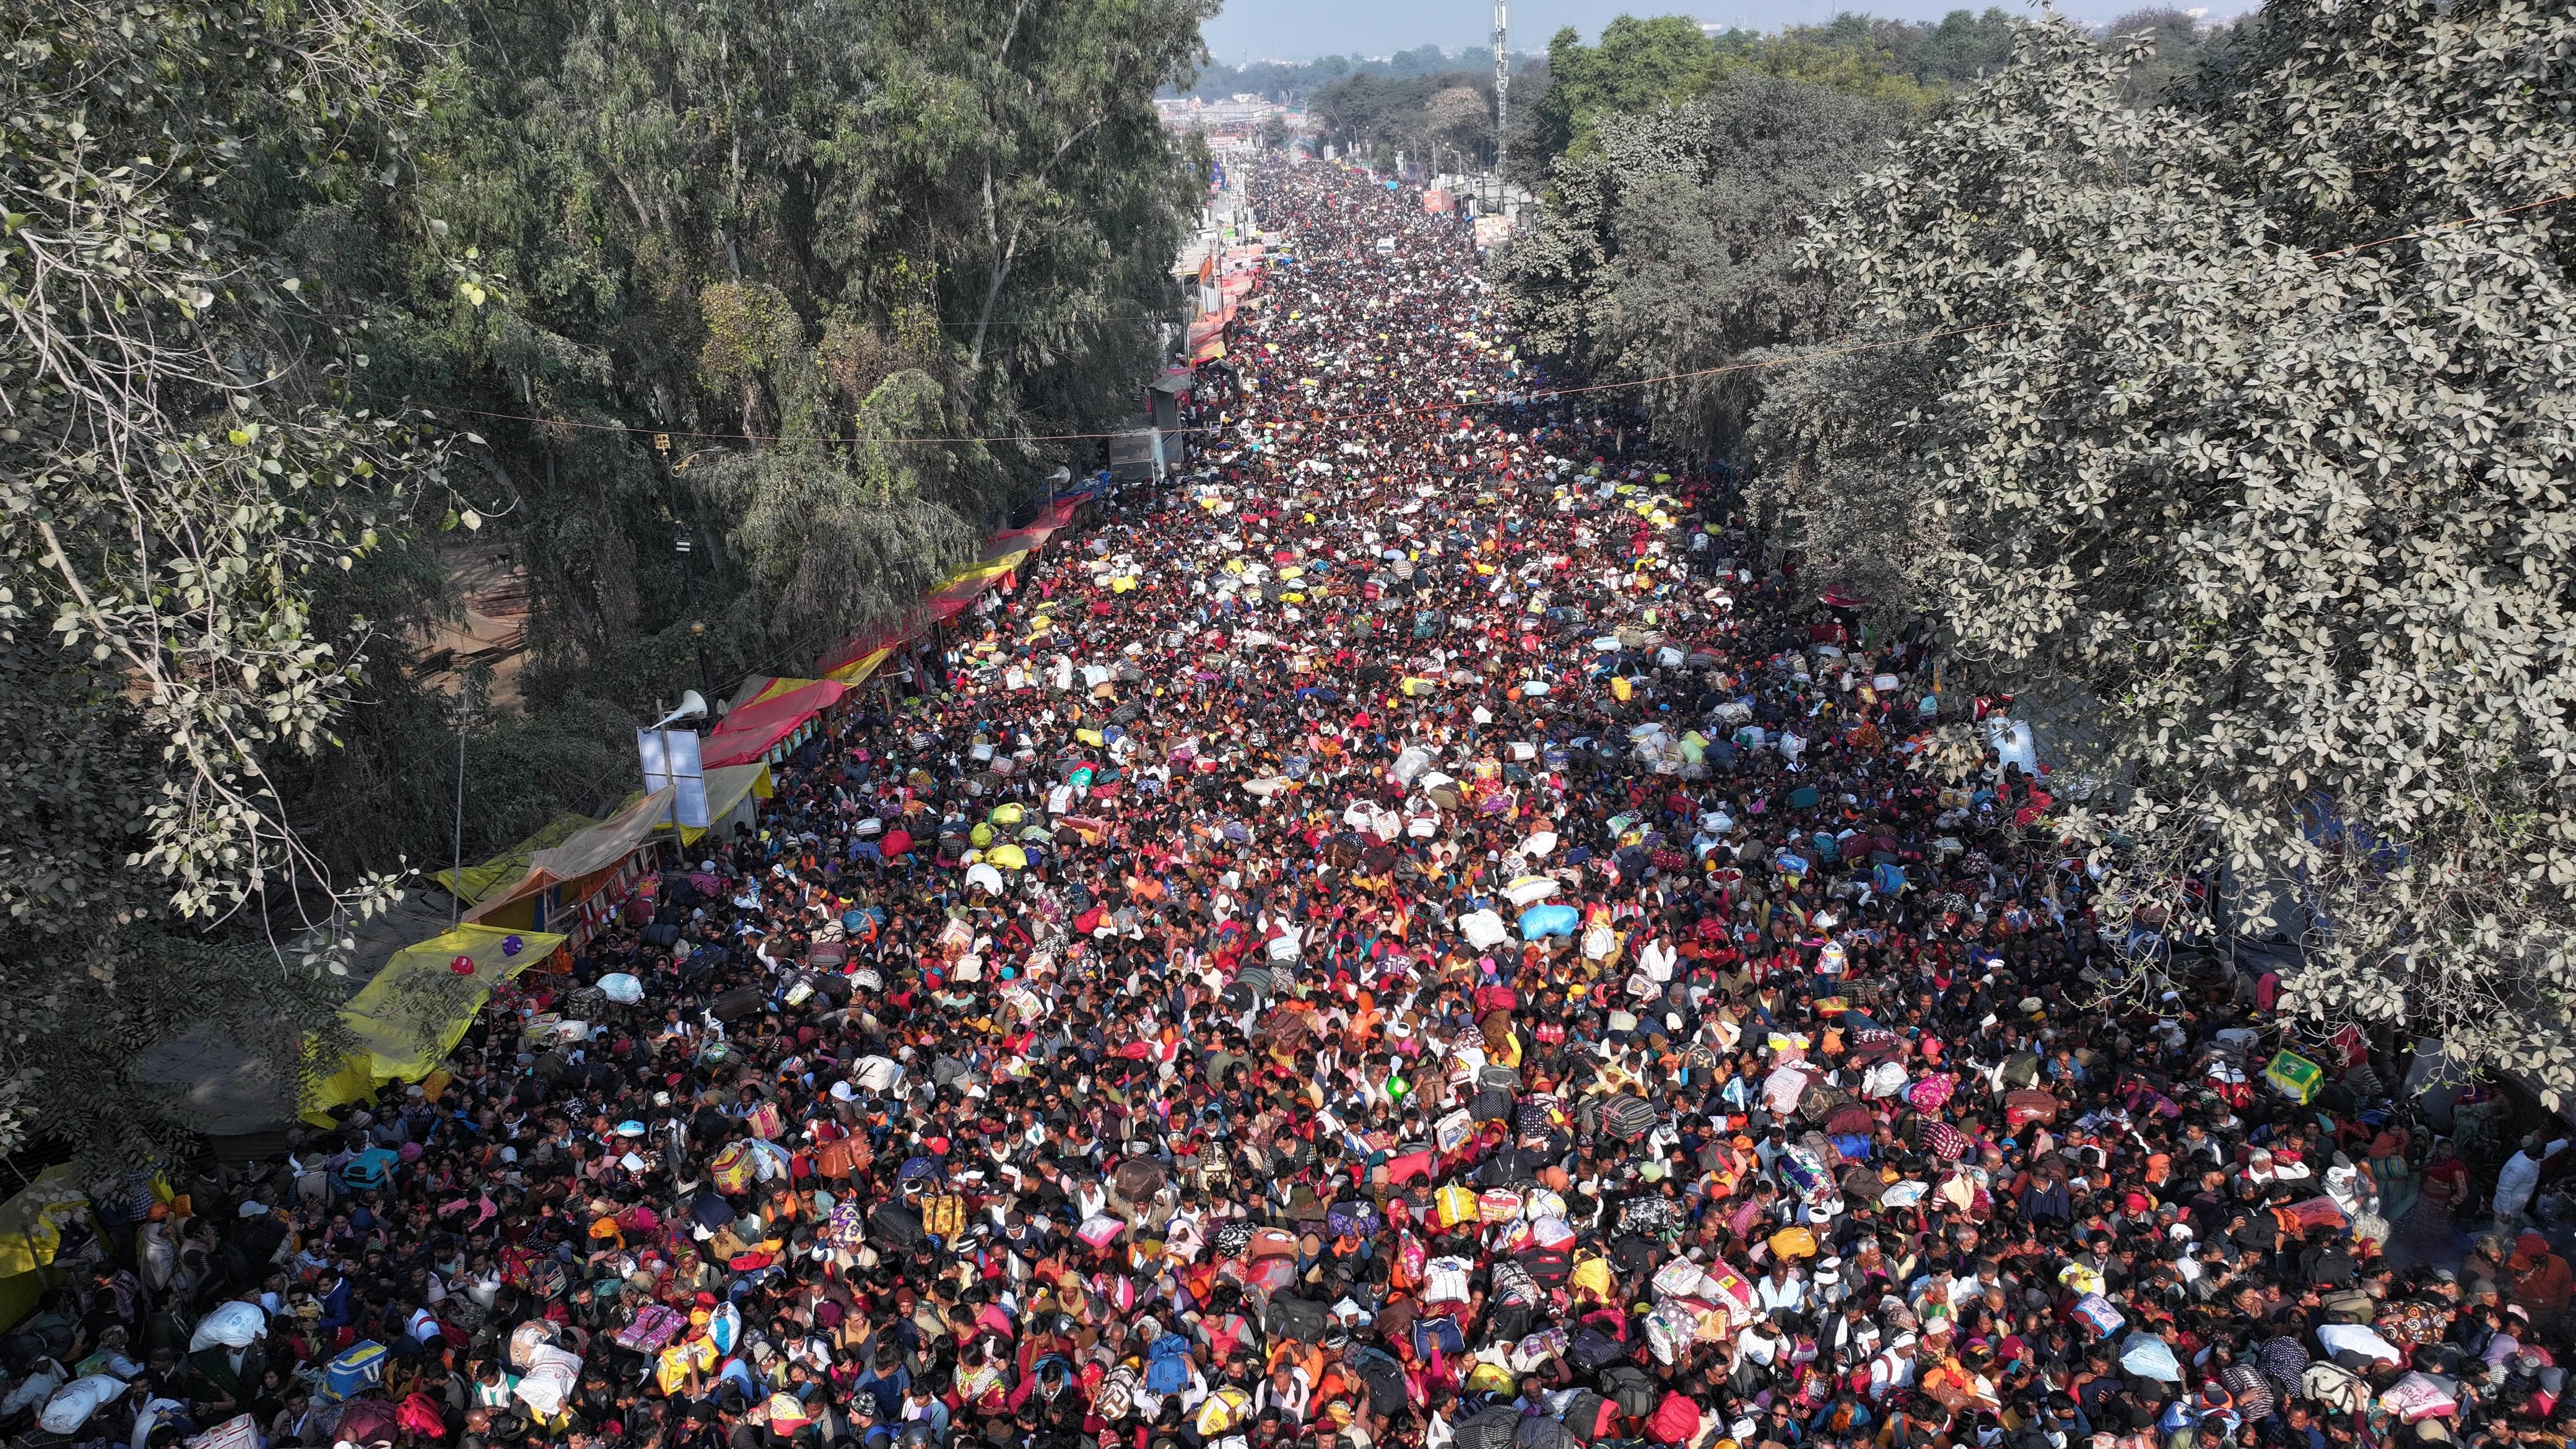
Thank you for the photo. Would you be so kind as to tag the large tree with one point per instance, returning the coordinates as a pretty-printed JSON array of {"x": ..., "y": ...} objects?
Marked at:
[
  {"x": 2251, "y": 417},
  {"x": 288, "y": 288},
  {"x": 184, "y": 469},
  {"x": 1670, "y": 243}
]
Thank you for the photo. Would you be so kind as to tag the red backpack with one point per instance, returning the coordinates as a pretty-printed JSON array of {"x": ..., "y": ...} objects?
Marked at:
[
  {"x": 421, "y": 1415},
  {"x": 1674, "y": 1421}
]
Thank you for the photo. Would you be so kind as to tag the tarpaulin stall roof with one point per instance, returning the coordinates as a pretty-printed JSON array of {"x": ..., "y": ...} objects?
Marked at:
[
  {"x": 475, "y": 882},
  {"x": 750, "y": 732},
  {"x": 417, "y": 1008},
  {"x": 608, "y": 842},
  {"x": 861, "y": 657},
  {"x": 594, "y": 850},
  {"x": 856, "y": 671},
  {"x": 963, "y": 587},
  {"x": 774, "y": 688},
  {"x": 729, "y": 788},
  {"x": 879, "y": 639},
  {"x": 731, "y": 791},
  {"x": 31, "y": 1234},
  {"x": 1205, "y": 341},
  {"x": 31, "y": 1224}
]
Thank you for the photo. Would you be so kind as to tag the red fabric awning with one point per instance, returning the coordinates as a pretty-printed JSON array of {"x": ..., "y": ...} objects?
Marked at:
[
  {"x": 951, "y": 601},
  {"x": 749, "y": 732}
]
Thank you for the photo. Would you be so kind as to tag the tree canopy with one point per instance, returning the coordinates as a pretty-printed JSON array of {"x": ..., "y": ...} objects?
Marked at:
[
  {"x": 290, "y": 289},
  {"x": 2247, "y": 417}
]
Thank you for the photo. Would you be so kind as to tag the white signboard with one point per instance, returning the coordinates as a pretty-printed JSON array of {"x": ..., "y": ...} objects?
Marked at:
[{"x": 671, "y": 758}]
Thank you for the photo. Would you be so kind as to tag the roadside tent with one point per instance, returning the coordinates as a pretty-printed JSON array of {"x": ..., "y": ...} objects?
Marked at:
[
  {"x": 734, "y": 793},
  {"x": 1205, "y": 341},
  {"x": 771, "y": 689},
  {"x": 406, "y": 1020},
  {"x": 857, "y": 670},
  {"x": 477, "y": 881},
  {"x": 964, "y": 586},
  {"x": 233, "y": 1093},
  {"x": 31, "y": 1234},
  {"x": 749, "y": 733},
  {"x": 593, "y": 853}
]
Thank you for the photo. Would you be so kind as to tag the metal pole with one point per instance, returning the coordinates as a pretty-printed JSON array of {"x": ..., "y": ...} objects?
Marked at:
[{"x": 456, "y": 873}]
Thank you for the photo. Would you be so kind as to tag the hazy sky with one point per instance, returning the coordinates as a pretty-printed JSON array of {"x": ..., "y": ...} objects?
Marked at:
[{"x": 1298, "y": 29}]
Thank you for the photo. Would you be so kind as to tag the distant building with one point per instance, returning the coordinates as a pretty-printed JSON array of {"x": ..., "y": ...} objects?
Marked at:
[{"x": 1237, "y": 118}]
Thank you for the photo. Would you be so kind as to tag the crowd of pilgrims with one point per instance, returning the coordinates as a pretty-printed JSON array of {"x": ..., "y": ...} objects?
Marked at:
[{"x": 1417, "y": 930}]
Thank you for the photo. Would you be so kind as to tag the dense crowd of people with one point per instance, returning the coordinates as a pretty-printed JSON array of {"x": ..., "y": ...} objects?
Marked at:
[{"x": 1418, "y": 933}]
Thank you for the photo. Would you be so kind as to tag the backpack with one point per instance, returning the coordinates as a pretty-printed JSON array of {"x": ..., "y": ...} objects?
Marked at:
[
  {"x": 1513, "y": 1284},
  {"x": 420, "y": 1414},
  {"x": 1549, "y": 1267},
  {"x": 2351, "y": 1306},
  {"x": 1299, "y": 1319},
  {"x": 1384, "y": 1378},
  {"x": 2021, "y": 1069},
  {"x": 1490, "y": 1104},
  {"x": 1352, "y": 1220},
  {"x": 1628, "y": 1118},
  {"x": 1432, "y": 1331},
  {"x": 1675, "y": 1421},
  {"x": 1167, "y": 1365},
  {"x": 2029, "y": 1104},
  {"x": 1793, "y": 1241},
  {"x": 1271, "y": 1243},
  {"x": 1851, "y": 1119},
  {"x": 1593, "y": 1350},
  {"x": 1591, "y": 1416},
  {"x": 2334, "y": 1386},
  {"x": 1819, "y": 1103},
  {"x": 1627, "y": 1386},
  {"x": 1538, "y": 1431},
  {"x": 1491, "y": 1429},
  {"x": 1444, "y": 1280},
  {"x": 1647, "y": 1215},
  {"x": 896, "y": 1226},
  {"x": 1223, "y": 1409},
  {"x": 1231, "y": 1237}
]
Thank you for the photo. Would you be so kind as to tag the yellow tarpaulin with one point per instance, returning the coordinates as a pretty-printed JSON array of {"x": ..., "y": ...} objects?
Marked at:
[
  {"x": 857, "y": 670},
  {"x": 417, "y": 1008},
  {"x": 477, "y": 881},
  {"x": 31, "y": 1224},
  {"x": 777, "y": 687},
  {"x": 726, "y": 785}
]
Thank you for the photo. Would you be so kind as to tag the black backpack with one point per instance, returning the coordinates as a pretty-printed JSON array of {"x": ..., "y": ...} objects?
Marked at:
[
  {"x": 1591, "y": 1417},
  {"x": 1301, "y": 1319},
  {"x": 1384, "y": 1377},
  {"x": 1490, "y": 1429},
  {"x": 1627, "y": 1386},
  {"x": 1593, "y": 1350},
  {"x": 1628, "y": 1118},
  {"x": 896, "y": 1226},
  {"x": 1490, "y": 1104},
  {"x": 1548, "y": 1267}
]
